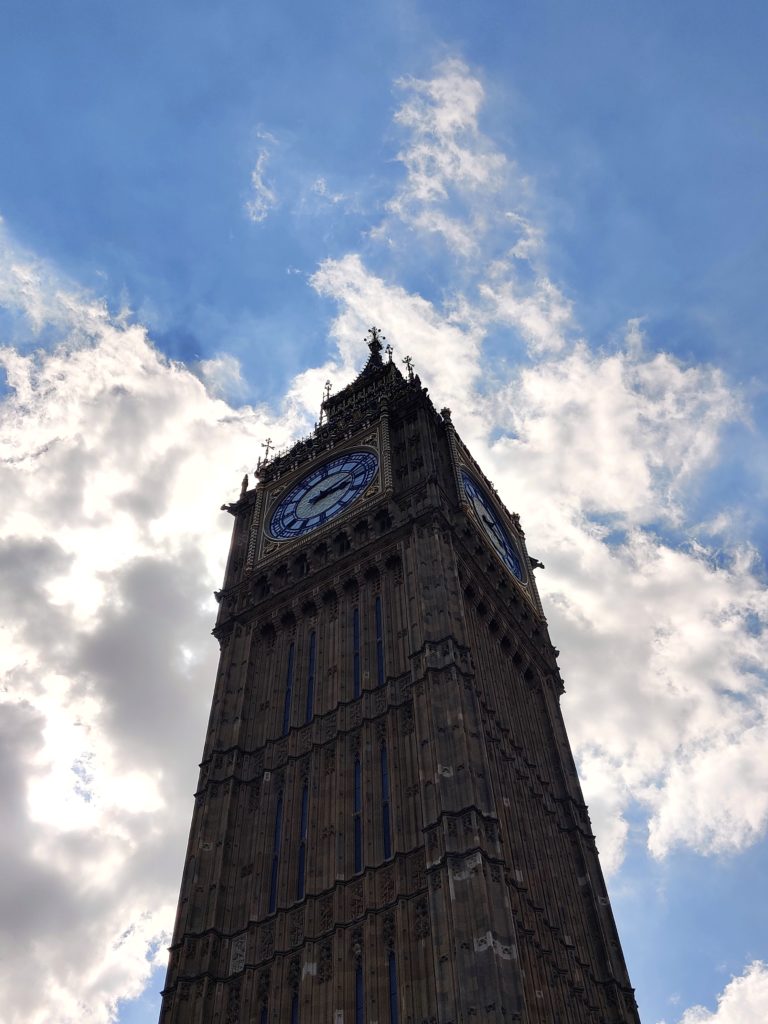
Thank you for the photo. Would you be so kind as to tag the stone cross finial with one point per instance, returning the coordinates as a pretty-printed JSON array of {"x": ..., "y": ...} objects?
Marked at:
[
  {"x": 268, "y": 447},
  {"x": 389, "y": 350},
  {"x": 327, "y": 391},
  {"x": 409, "y": 363}
]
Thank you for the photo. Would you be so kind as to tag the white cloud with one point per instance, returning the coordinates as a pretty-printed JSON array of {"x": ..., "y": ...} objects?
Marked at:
[
  {"x": 263, "y": 196},
  {"x": 599, "y": 451},
  {"x": 223, "y": 376},
  {"x": 114, "y": 464},
  {"x": 320, "y": 188},
  {"x": 744, "y": 1000},
  {"x": 446, "y": 158},
  {"x": 115, "y": 460}
]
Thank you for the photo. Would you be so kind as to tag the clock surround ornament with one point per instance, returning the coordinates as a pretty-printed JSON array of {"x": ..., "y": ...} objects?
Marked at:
[
  {"x": 323, "y": 493},
  {"x": 492, "y": 526}
]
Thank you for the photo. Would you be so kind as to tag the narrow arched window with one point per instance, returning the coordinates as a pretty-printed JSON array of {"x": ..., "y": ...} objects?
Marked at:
[
  {"x": 379, "y": 644},
  {"x": 275, "y": 855},
  {"x": 386, "y": 828},
  {"x": 358, "y": 816},
  {"x": 310, "y": 710},
  {"x": 359, "y": 996},
  {"x": 394, "y": 1013},
  {"x": 303, "y": 825},
  {"x": 356, "y": 652},
  {"x": 295, "y": 1009},
  {"x": 264, "y": 1016},
  {"x": 288, "y": 691}
]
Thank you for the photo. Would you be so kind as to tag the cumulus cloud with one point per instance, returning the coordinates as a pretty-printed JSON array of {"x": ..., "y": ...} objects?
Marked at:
[
  {"x": 114, "y": 464},
  {"x": 744, "y": 1000},
  {"x": 114, "y": 461},
  {"x": 223, "y": 376},
  {"x": 598, "y": 450}
]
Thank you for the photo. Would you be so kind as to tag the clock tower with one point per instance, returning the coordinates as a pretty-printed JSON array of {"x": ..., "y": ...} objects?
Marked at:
[{"x": 388, "y": 826}]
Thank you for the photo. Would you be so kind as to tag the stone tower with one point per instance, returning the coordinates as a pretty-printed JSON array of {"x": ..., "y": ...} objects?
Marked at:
[{"x": 388, "y": 827}]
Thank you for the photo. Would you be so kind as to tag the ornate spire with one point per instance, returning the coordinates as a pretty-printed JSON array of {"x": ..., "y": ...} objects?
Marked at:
[{"x": 375, "y": 343}]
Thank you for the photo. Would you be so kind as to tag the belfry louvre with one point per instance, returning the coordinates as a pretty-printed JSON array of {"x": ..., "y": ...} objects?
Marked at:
[{"x": 388, "y": 826}]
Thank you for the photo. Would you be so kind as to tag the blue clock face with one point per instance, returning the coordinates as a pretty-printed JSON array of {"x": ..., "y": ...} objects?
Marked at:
[
  {"x": 323, "y": 494},
  {"x": 492, "y": 526}
]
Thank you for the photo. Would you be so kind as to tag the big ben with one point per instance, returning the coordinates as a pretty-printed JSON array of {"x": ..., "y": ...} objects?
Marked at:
[{"x": 388, "y": 826}]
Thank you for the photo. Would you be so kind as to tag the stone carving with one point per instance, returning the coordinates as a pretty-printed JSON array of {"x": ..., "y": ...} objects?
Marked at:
[
  {"x": 294, "y": 973},
  {"x": 237, "y": 953},
  {"x": 358, "y": 901},
  {"x": 266, "y": 941},
  {"x": 233, "y": 1003},
  {"x": 421, "y": 923},
  {"x": 325, "y": 968},
  {"x": 326, "y": 914},
  {"x": 296, "y": 933}
]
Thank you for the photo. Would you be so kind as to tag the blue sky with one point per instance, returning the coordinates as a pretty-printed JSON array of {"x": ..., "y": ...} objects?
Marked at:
[{"x": 203, "y": 208}]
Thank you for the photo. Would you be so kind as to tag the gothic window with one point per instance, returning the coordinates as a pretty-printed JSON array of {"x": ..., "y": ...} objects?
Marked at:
[
  {"x": 379, "y": 644},
  {"x": 359, "y": 996},
  {"x": 303, "y": 824},
  {"x": 264, "y": 1016},
  {"x": 356, "y": 652},
  {"x": 311, "y": 678},
  {"x": 358, "y": 816},
  {"x": 275, "y": 855},
  {"x": 288, "y": 691},
  {"x": 394, "y": 1016},
  {"x": 386, "y": 829},
  {"x": 295, "y": 1009}
]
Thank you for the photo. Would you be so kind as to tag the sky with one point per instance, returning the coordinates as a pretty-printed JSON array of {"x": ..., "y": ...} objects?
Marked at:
[{"x": 559, "y": 211}]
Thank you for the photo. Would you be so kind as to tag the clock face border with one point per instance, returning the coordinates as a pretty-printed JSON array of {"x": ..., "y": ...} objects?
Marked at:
[
  {"x": 502, "y": 540},
  {"x": 295, "y": 506}
]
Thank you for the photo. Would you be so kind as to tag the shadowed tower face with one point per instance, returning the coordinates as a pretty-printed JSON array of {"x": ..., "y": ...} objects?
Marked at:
[{"x": 388, "y": 827}]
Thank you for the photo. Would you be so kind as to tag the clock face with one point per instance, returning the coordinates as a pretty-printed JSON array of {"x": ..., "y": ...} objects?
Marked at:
[
  {"x": 494, "y": 529},
  {"x": 323, "y": 494}
]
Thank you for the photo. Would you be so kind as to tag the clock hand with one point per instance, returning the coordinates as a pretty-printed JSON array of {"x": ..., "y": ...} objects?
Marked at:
[{"x": 328, "y": 490}]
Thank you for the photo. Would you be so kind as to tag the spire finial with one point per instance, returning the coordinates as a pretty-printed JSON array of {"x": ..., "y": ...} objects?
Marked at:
[
  {"x": 389, "y": 350},
  {"x": 268, "y": 447},
  {"x": 409, "y": 363},
  {"x": 326, "y": 396},
  {"x": 376, "y": 339}
]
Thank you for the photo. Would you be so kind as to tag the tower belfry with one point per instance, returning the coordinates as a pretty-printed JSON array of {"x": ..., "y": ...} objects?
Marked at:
[{"x": 388, "y": 826}]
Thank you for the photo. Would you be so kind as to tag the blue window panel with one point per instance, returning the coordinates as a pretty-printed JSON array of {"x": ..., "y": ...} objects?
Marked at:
[
  {"x": 359, "y": 996},
  {"x": 275, "y": 856},
  {"x": 394, "y": 1013},
  {"x": 358, "y": 816},
  {"x": 356, "y": 652},
  {"x": 264, "y": 1016},
  {"x": 358, "y": 786},
  {"x": 384, "y": 775},
  {"x": 310, "y": 710},
  {"x": 288, "y": 692},
  {"x": 295, "y": 1009},
  {"x": 300, "y": 878},
  {"x": 273, "y": 885},
  {"x": 385, "y": 819},
  {"x": 304, "y": 810},
  {"x": 358, "y": 844},
  {"x": 379, "y": 644}
]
